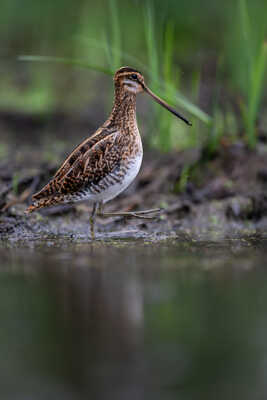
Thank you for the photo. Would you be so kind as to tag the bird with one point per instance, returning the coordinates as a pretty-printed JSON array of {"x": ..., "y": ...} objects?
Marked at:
[{"x": 108, "y": 161}]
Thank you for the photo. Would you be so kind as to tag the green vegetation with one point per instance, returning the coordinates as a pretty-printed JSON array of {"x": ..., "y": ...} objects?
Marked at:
[
  {"x": 255, "y": 52},
  {"x": 246, "y": 52},
  {"x": 209, "y": 60}
]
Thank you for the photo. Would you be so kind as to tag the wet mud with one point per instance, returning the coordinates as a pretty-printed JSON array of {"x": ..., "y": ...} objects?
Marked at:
[{"x": 222, "y": 197}]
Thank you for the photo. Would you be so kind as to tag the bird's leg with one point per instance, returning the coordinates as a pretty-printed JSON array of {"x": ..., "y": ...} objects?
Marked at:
[
  {"x": 100, "y": 208},
  {"x": 92, "y": 221},
  {"x": 131, "y": 214}
]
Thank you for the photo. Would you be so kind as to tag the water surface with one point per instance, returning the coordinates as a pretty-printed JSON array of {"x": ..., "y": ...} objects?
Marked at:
[{"x": 133, "y": 320}]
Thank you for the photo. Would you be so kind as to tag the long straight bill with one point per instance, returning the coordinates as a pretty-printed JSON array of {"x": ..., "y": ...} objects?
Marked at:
[{"x": 166, "y": 105}]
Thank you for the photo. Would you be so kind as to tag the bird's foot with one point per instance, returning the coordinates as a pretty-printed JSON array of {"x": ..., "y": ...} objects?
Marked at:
[{"x": 146, "y": 214}]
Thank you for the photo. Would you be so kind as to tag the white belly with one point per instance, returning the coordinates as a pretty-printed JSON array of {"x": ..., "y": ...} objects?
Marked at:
[{"x": 115, "y": 189}]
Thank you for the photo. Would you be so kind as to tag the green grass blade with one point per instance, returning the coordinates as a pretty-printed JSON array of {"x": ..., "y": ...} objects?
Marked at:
[
  {"x": 165, "y": 119},
  {"x": 168, "y": 52},
  {"x": 246, "y": 33},
  {"x": 150, "y": 40},
  {"x": 67, "y": 61},
  {"x": 108, "y": 52},
  {"x": 134, "y": 61},
  {"x": 257, "y": 80},
  {"x": 256, "y": 93},
  {"x": 115, "y": 32}
]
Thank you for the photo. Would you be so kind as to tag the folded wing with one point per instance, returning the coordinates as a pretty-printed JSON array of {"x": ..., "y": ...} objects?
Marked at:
[{"x": 90, "y": 162}]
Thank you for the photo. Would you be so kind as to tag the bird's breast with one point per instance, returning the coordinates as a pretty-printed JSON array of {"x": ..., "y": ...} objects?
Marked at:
[
  {"x": 120, "y": 177},
  {"x": 116, "y": 181}
]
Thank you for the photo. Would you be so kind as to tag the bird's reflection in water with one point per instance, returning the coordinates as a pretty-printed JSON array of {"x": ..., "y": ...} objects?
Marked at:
[{"x": 135, "y": 322}]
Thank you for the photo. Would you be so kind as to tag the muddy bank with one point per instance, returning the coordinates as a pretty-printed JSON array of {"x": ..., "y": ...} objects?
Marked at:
[
  {"x": 205, "y": 222},
  {"x": 201, "y": 198}
]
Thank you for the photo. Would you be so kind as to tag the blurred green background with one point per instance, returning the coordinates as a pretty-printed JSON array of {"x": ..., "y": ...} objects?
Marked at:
[{"x": 208, "y": 58}]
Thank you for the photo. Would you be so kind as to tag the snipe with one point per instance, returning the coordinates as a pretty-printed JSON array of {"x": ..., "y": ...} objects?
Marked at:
[{"x": 104, "y": 164}]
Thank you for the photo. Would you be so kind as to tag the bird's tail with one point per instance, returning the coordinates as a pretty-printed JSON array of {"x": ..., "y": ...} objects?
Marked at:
[
  {"x": 30, "y": 209},
  {"x": 42, "y": 203}
]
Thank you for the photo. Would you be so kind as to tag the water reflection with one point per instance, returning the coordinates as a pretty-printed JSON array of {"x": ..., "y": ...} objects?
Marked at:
[{"x": 132, "y": 321}]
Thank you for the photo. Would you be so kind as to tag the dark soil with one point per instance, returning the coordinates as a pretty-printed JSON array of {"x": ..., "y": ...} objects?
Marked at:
[{"x": 223, "y": 197}]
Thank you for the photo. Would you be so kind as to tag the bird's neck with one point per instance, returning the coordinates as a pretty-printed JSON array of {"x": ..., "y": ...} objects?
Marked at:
[{"x": 123, "y": 112}]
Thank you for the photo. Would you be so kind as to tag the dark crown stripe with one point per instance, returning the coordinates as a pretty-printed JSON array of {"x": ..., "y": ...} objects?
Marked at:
[{"x": 127, "y": 69}]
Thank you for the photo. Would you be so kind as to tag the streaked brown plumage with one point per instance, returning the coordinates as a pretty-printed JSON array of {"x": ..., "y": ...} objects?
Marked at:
[{"x": 106, "y": 163}]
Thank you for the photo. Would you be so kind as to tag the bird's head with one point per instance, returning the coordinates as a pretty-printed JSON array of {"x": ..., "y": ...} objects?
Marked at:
[{"x": 133, "y": 81}]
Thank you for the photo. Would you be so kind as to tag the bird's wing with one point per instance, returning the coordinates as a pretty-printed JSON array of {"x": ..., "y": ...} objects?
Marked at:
[
  {"x": 80, "y": 150},
  {"x": 90, "y": 162}
]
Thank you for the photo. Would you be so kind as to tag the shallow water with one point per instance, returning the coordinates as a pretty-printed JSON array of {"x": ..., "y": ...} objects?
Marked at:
[{"x": 133, "y": 320}]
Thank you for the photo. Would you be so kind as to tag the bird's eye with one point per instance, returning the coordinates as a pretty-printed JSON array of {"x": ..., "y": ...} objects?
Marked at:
[{"x": 134, "y": 76}]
